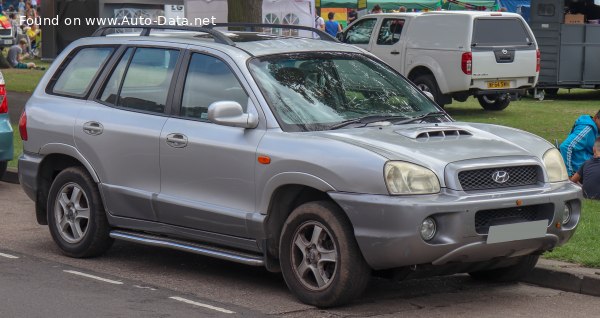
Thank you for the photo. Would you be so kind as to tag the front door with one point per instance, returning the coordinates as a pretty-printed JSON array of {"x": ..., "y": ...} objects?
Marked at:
[
  {"x": 359, "y": 34},
  {"x": 389, "y": 44},
  {"x": 207, "y": 170}
]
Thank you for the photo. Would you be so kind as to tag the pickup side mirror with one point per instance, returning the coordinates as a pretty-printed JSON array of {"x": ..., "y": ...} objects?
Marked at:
[
  {"x": 229, "y": 113},
  {"x": 340, "y": 36}
]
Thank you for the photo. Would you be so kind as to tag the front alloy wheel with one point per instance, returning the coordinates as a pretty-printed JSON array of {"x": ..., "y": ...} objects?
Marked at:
[{"x": 314, "y": 256}]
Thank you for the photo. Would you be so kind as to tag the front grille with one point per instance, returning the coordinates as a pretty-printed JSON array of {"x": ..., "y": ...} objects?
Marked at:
[
  {"x": 483, "y": 179},
  {"x": 486, "y": 218},
  {"x": 4, "y": 32}
]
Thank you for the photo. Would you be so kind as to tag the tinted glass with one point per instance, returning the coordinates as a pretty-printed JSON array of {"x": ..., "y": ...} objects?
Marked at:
[
  {"x": 147, "y": 80},
  {"x": 111, "y": 90},
  {"x": 498, "y": 32},
  {"x": 390, "y": 31},
  {"x": 360, "y": 33},
  {"x": 545, "y": 10},
  {"x": 317, "y": 91},
  {"x": 77, "y": 77},
  {"x": 209, "y": 80}
]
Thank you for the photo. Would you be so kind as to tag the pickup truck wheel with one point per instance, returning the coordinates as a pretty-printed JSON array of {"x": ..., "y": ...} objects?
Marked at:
[
  {"x": 76, "y": 215},
  {"x": 3, "y": 165},
  {"x": 494, "y": 102},
  {"x": 320, "y": 259},
  {"x": 427, "y": 83},
  {"x": 551, "y": 91},
  {"x": 508, "y": 274}
]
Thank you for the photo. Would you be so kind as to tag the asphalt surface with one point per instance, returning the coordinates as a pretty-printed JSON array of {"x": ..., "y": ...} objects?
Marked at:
[{"x": 42, "y": 282}]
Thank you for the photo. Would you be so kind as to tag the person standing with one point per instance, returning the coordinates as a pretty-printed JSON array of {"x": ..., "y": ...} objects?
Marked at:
[
  {"x": 577, "y": 148},
  {"x": 332, "y": 27},
  {"x": 319, "y": 22},
  {"x": 352, "y": 16},
  {"x": 589, "y": 174},
  {"x": 377, "y": 9}
]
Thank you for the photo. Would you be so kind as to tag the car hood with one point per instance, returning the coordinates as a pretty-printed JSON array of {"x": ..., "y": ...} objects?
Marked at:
[{"x": 436, "y": 145}]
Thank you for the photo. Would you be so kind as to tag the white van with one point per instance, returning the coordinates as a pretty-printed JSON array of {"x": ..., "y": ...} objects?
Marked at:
[{"x": 454, "y": 54}]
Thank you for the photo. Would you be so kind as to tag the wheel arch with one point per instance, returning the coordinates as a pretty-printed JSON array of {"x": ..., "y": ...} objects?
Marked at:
[{"x": 432, "y": 69}]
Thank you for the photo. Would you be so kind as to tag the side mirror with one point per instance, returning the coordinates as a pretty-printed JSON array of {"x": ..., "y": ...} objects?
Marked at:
[
  {"x": 229, "y": 113},
  {"x": 340, "y": 36},
  {"x": 428, "y": 94}
]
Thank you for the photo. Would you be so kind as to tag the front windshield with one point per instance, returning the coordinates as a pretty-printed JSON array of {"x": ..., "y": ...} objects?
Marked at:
[{"x": 318, "y": 91}]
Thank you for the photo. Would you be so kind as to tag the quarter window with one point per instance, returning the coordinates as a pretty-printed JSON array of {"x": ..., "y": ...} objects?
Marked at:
[
  {"x": 360, "y": 33},
  {"x": 209, "y": 80},
  {"x": 142, "y": 81},
  {"x": 77, "y": 77}
]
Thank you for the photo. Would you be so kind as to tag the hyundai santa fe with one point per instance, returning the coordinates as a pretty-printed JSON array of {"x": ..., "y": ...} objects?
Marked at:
[{"x": 306, "y": 156}]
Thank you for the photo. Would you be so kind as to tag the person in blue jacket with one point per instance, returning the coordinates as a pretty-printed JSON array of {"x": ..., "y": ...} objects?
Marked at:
[
  {"x": 332, "y": 27},
  {"x": 578, "y": 147}
]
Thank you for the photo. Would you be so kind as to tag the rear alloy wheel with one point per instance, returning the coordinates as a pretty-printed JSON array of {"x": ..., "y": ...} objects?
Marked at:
[
  {"x": 494, "y": 102},
  {"x": 320, "y": 259},
  {"x": 510, "y": 273},
  {"x": 427, "y": 83},
  {"x": 76, "y": 215}
]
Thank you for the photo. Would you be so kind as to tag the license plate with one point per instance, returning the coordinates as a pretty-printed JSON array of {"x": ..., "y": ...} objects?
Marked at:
[
  {"x": 498, "y": 84},
  {"x": 7, "y": 41},
  {"x": 516, "y": 232}
]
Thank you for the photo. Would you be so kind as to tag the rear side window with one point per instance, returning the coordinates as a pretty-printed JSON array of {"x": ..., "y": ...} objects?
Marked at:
[
  {"x": 500, "y": 32},
  {"x": 141, "y": 81},
  {"x": 77, "y": 77}
]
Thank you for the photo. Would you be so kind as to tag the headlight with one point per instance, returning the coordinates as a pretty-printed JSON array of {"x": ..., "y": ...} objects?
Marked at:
[
  {"x": 408, "y": 178},
  {"x": 555, "y": 166}
]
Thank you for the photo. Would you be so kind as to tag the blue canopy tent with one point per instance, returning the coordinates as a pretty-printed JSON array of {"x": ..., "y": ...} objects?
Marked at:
[{"x": 512, "y": 5}]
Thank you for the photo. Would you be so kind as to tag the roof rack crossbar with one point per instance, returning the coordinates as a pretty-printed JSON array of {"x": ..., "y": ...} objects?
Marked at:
[
  {"x": 217, "y": 35},
  {"x": 250, "y": 26}
]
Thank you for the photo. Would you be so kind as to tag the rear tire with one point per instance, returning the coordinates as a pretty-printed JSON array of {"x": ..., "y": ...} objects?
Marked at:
[
  {"x": 508, "y": 274},
  {"x": 3, "y": 165},
  {"x": 320, "y": 259},
  {"x": 494, "y": 102},
  {"x": 76, "y": 215},
  {"x": 427, "y": 83},
  {"x": 551, "y": 91}
]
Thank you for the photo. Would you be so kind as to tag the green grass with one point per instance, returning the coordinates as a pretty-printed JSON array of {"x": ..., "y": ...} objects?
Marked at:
[
  {"x": 23, "y": 81},
  {"x": 552, "y": 119},
  {"x": 18, "y": 146}
]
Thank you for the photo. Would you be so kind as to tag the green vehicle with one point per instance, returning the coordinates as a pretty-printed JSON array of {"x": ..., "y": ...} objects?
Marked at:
[{"x": 6, "y": 132}]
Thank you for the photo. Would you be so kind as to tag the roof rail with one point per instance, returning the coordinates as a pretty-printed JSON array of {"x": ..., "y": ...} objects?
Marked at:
[
  {"x": 250, "y": 26},
  {"x": 217, "y": 35}
]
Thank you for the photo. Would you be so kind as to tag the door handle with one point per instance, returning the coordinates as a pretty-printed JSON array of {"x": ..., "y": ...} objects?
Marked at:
[
  {"x": 177, "y": 140},
  {"x": 93, "y": 128},
  {"x": 394, "y": 52}
]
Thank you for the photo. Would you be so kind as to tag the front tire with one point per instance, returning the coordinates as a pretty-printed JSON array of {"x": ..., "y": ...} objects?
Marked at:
[
  {"x": 508, "y": 274},
  {"x": 76, "y": 215},
  {"x": 494, "y": 102},
  {"x": 320, "y": 259}
]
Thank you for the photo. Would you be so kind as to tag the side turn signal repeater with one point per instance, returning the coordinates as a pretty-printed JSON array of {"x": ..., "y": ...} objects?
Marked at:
[{"x": 265, "y": 160}]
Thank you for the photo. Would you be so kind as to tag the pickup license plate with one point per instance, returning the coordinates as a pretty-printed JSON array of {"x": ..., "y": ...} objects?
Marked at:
[
  {"x": 516, "y": 232},
  {"x": 498, "y": 84}
]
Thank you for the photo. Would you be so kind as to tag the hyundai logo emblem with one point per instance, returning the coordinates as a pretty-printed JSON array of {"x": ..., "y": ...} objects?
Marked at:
[
  {"x": 500, "y": 176},
  {"x": 504, "y": 51}
]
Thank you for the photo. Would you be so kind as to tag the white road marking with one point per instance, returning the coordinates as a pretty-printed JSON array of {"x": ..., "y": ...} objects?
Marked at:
[
  {"x": 143, "y": 287},
  {"x": 94, "y": 277},
  {"x": 8, "y": 255},
  {"x": 187, "y": 301}
]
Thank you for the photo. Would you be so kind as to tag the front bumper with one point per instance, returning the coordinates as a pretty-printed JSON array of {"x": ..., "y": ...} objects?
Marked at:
[{"x": 387, "y": 227}]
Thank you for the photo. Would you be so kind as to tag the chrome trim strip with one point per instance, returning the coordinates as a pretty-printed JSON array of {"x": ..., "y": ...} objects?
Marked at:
[{"x": 234, "y": 256}]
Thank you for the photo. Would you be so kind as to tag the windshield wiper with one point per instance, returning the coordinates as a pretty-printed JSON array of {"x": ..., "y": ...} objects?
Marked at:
[
  {"x": 430, "y": 114},
  {"x": 366, "y": 120}
]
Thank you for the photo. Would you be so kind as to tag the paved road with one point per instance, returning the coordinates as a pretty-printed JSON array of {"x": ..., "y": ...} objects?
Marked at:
[{"x": 43, "y": 283}]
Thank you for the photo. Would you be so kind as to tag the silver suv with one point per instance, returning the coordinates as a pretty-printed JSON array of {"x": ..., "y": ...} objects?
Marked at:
[{"x": 303, "y": 155}]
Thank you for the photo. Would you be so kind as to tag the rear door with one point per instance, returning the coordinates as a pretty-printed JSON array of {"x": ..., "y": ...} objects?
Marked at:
[
  {"x": 502, "y": 48},
  {"x": 389, "y": 45}
]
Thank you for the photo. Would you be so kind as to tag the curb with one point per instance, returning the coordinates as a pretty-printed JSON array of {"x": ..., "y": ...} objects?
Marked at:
[
  {"x": 11, "y": 176},
  {"x": 565, "y": 276}
]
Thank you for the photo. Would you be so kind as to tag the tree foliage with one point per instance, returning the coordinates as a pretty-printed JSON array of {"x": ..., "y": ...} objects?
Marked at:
[{"x": 245, "y": 11}]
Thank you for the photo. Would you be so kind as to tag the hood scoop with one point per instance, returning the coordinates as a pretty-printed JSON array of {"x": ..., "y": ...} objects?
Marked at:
[{"x": 424, "y": 133}]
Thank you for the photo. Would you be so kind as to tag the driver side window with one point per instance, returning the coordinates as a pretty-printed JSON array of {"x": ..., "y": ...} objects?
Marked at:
[{"x": 360, "y": 33}]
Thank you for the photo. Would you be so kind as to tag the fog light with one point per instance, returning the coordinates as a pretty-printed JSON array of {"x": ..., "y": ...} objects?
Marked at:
[
  {"x": 566, "y": 216},
  {"x": 428, "y": 229}
]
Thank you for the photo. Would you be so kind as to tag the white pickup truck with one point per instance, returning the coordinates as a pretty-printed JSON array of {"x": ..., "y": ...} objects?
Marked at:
[{"x": 454, "y": 54}]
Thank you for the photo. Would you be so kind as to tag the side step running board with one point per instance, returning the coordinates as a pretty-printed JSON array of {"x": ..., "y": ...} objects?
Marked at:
[{"x": 216, "y": 252}]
